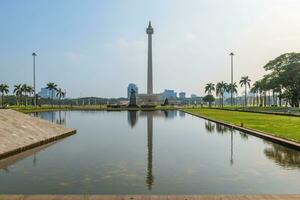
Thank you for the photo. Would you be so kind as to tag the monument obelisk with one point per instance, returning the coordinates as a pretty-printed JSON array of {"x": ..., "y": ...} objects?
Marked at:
[
  {"x": 149, "y": 31},
  {"x": 149, "y": 99}
]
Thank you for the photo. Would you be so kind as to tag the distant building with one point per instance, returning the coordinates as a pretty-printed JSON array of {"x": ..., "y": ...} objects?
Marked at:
[
  {"x": 182, "y": 95},
  {"x": 193, "y": 96},
  {"x": 132, "y": 87},
  {"x": 47, "y": 94},
  {"x": 169, "y": 94}
]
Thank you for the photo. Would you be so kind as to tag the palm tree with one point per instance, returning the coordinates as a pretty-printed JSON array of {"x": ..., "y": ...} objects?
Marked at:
[
  {"x": 29, "y": 90},
  {"x": 209, "y": 88},
  {"x": 260, "y": 89},
  {"x": 221, "y": 88},
  {"x": 24, "y": 90},
  {"x": 232, "y": 87},
  {"x": 245, "y": 81},
  {"x": 52, "y": 87},
  {"x": 4, "y": 90},
  {"x": 256, "y": 89},
  {"x": 18, "y": 92},
  {"x": 60, "y": 94}
]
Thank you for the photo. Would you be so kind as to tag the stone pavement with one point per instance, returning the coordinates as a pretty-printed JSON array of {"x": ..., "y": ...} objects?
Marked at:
[{"x": 150, "y": 197}]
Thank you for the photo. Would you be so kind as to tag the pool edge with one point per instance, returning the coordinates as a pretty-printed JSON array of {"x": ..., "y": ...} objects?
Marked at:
[{"x": 266, "y": 136}]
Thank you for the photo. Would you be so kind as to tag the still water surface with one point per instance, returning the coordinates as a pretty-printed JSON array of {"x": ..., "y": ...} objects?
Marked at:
[{"x": 161, "y": 152}]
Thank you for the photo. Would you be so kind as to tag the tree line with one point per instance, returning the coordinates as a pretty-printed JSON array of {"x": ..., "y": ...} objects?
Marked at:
[
  {"x": 221, "y": 88},
  {"x": 24, "y": 93},
  {"x": 281, "y": 84}
]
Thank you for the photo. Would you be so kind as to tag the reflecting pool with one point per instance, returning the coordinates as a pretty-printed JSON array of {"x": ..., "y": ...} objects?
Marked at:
[{"x": 161, "y": 152}]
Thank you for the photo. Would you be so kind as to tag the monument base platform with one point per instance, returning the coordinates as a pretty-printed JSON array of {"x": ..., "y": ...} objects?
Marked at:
[{"x": 148, "y": 99}]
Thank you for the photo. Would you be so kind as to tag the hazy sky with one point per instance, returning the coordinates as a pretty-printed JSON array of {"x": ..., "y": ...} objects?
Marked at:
[{"x": 97, "y": 47}]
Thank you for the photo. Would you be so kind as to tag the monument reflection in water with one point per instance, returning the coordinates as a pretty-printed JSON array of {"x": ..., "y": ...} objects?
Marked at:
[{"x": 132, "y": 118}]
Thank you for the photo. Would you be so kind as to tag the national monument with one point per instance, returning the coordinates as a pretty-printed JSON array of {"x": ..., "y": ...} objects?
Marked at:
[{"x": 150, "y": 98}]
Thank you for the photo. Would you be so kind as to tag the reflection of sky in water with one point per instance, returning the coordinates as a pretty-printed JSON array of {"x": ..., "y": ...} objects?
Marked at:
[{"x": 162, "y": 152}]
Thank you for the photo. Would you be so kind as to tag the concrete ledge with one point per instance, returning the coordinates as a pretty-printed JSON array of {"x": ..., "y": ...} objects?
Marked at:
[
  {"x": 20, "y": 132},
  {"x": 149, "y": 197},
  {"x": 266, "y": 136}
]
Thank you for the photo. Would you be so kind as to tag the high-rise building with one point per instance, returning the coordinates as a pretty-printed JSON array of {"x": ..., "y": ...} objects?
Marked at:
[
  {"x": 169, "y": 94},
  {"x": 182, "y": 95},
  {"x": 47, "y": 94},
  {"x": 193, "y": 96},
  {"x": 132, "y": 87}
]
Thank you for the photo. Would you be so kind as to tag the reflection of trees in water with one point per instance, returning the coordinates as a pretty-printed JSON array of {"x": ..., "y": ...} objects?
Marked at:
[
  {"x": 170, "y": 114},
  {"x": 132, "y": 118},
  {"x": 243, "y": 135},
  {"x": 221, "y": 128},
  {"x": 58, "y": 117},
  {"x": 150, "y": 177},
  {"x": 182, "y": 114},
  {"x": 61, "y": 120},
  {"x": 209, "y": 126},
  {"x": 284, "y": 157},
  {"x": 5, "y": 169}
]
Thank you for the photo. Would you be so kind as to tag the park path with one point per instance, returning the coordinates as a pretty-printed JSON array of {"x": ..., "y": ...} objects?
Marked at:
[
  {"x": 20, "y": 132},
  {"x": 150, "y": 197}
]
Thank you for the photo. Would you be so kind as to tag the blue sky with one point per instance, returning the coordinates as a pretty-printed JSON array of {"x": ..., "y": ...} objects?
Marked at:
[{"x": 97, "y": 47}]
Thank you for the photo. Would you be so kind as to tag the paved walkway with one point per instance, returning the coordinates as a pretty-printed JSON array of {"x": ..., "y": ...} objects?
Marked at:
[
  {"x": 154, "y": 197},
  {"x": 20, "y": 132}
]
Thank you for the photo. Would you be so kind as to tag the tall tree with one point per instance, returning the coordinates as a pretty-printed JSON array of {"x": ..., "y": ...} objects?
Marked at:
[
  {"x": 29, "y": 90},
  {"x": 209, "y": 88},
  {"x": 53, "y": 88},
  {"x": 245, "y": 81},
  {"x": 234, "y": 88},
  {"x": 290, "y": 79},
  {"x": 209, "y": 98},
  {"x": 60, "y": 94},
  {"x": 256, "y": 90},
  {"x": 221, "y": 88},
  {"x": 18, "y": 92},
  {"x": 4, "y": 89},
  {"x": 285, "y": 70},
  {"x": 24, "y": 89}
]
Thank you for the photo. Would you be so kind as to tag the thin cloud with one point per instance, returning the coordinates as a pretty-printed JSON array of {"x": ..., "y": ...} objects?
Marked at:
[
  {"x": 73, "y": 56},
  {"x": 189, "y": 36}
]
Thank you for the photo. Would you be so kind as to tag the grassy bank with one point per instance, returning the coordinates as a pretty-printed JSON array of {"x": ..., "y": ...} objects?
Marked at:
[
  {"x": 29, "y": 109},
  {"x": 287, "y": 127},
  {"x": 274, "y": 110}
]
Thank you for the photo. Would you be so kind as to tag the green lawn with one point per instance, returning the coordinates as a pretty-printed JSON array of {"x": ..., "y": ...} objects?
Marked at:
[{"x": 287, "y": 127}]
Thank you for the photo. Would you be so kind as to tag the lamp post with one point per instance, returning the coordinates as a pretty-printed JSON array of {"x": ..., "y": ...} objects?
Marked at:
[
  {"x": 231, "y": 91},
  {"x": 34, "y": 91}
]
